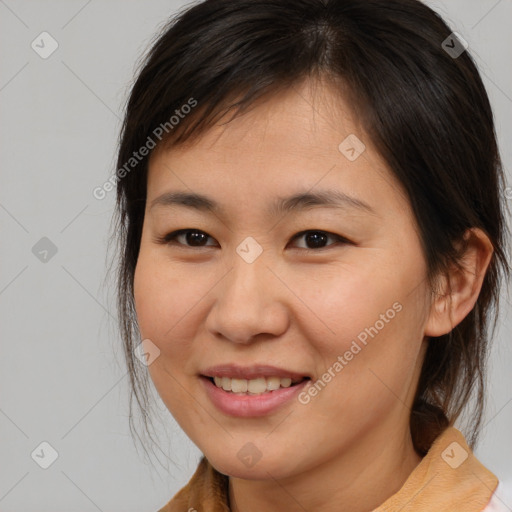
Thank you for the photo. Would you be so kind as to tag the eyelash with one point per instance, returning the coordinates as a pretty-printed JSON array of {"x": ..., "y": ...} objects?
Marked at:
[{"x": 170, "y": 238}]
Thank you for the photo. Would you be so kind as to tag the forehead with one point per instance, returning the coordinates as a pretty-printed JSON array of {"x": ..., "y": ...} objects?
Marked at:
[{"x": 293, "y": 142}]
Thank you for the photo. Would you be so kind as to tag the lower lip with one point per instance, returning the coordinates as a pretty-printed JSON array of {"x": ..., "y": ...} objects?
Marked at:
[{"x": 249, "y": 406}]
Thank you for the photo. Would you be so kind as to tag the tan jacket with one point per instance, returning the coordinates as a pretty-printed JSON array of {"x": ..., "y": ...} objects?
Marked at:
[{"x": 448, "y": 479}]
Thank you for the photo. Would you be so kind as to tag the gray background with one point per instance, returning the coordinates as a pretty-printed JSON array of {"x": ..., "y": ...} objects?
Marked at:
[{"x": 62, "y": 376}]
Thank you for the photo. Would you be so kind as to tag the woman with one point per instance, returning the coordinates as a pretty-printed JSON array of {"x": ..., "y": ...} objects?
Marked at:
[{"x": 312, "y": 238}]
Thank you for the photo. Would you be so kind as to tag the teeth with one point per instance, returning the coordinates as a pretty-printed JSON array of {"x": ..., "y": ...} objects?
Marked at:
[
  {"x": 225, "y": 383},
  {"x": 286, "y": 383},
  {"x": 238, "y": 385},
  {"x": 273, "y": 383},
  {"x": 253, "y": 386},
  {"x": 257, "y": 385}
]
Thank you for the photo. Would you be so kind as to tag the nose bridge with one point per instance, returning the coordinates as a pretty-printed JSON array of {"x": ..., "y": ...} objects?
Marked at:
[{"x": 246, "y": 303}]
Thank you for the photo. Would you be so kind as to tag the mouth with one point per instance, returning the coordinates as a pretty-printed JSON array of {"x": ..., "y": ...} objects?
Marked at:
[
  {"x": 252, "y": 391},
  {"x": 255, "y": 386}
]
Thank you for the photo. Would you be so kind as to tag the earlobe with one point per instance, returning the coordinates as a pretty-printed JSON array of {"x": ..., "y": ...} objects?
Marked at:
[{"x": 457, "y": 292}]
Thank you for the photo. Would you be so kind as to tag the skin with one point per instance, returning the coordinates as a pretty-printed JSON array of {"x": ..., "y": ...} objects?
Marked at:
[{"x": 350, "y": 447}]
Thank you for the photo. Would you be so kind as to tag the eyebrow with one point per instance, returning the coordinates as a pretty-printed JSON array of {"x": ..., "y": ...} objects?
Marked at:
[{"x": 299, "y": 201}]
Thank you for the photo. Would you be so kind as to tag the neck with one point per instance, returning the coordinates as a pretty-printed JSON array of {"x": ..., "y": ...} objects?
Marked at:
[{"x": 358, "y": 480}]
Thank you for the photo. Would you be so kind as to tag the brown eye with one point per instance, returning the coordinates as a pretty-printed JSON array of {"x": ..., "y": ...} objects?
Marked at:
[
  {"x": 315, "y": 239},
  {"x": 188, "y": 237}
]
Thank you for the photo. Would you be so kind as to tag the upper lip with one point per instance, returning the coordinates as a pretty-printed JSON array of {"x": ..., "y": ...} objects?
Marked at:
[{"x": 250, "y": 372}]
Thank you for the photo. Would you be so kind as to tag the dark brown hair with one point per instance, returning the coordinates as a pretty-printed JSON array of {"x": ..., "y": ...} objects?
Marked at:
[{"x": 425, "y": 110}]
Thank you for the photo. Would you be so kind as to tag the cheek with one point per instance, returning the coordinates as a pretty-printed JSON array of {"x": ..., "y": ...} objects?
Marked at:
[
  {"x": 166, "y": 301},
  {"x": 342, "y": 302},
  {"x": 373, "y": 321},
  {"x": 167, "y": 304}
]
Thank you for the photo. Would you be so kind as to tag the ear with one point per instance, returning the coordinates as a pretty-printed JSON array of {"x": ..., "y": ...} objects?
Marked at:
[{"x": 458, "y": 290}]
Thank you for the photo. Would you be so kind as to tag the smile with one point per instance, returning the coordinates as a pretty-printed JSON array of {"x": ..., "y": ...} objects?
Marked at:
[
  {"x": 250, "y": 391},
  {"x": 256, "y": 386}
]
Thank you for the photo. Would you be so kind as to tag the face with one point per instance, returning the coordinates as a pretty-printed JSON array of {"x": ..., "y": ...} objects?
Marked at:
[{"x": 329, "y": 286}]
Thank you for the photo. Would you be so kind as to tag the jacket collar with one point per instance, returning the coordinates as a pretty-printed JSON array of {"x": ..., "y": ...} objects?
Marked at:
[{"x": 448, "y": 478}]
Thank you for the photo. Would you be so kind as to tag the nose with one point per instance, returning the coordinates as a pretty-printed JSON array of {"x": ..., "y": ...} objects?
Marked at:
[{"x": 249, "y": 301}]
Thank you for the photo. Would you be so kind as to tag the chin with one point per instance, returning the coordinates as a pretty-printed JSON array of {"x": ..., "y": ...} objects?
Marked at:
[{"x": 263, "y": 469}]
